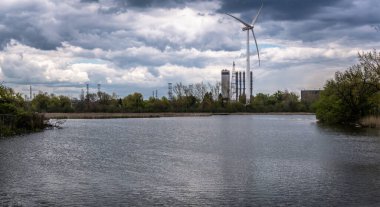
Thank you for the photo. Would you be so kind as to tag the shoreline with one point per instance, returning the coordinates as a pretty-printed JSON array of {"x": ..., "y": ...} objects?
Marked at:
[
  {"x": 370, "y": 122},
  {"x": 154, "y": 115}
]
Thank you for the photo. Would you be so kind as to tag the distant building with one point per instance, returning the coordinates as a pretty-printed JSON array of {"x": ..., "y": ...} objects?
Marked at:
[
  {"x": 233, "y": 84},
  {"x": 226, "y": 84},
  {"x": 310, "y": 96}
]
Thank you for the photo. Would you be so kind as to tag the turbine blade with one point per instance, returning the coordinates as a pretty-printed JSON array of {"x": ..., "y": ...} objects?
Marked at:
[
  {"x": 257, "y": 47},
  {"x": 241, "y": 21},
  {"x": 258, "y": 13}
]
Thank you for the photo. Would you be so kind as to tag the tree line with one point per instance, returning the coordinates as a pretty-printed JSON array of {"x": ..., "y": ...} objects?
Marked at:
[{"x": 199, "y": 97}]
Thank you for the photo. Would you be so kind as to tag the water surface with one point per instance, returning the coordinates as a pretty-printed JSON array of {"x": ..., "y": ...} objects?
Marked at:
[{"x": 215, "y": 161}]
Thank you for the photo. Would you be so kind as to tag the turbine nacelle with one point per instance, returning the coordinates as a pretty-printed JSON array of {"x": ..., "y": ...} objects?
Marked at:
[{"x": 247, "y": 28}]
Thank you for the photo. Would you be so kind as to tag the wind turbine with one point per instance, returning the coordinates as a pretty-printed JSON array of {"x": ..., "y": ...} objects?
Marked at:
[{"x": 249, "y": 27}]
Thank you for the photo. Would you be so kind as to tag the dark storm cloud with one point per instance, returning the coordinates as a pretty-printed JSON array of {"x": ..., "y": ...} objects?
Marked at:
[
  {"x": 89, "y": 1},
  {"x": 29, "y": 25},
  {"x": 153, "y": 3},
  {"x": 28, "y": 34},
  {"x": 310, "y": 20},
  {"x": 345, "y": 12},
  {"x": 19, "y": 23},
  {"x": 279, "y": 10}
]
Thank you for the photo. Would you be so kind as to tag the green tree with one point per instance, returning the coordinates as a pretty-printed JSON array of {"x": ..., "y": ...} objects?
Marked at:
[
  {"x": 262, "y": 103},
  {"x": 14, "y": 118},
  {"x": 9, "y": 96},
  {"x": 134, "y": 102},
  {"x": 40, "y": 103},
  {"x": 65, "y": 104},
  {"x": 208, "y": 102},
  {"x": 352, "y": 94}
]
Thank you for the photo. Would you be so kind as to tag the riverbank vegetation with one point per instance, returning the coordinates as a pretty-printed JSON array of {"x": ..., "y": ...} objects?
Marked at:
[
  {"x": 15, "y": 117},
  {"x": 370, "y": 121},
  {"x": 18, "y": 115},
  {"x": 353, "y": 96}
]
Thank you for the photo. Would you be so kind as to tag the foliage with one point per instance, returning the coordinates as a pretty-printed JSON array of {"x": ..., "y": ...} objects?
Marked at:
[
  {"x": 134, "y": 102},
  {"x": 7, "y": 96},
  {"x": 352, "y": 94},
  {"x": 14, "y": 115},
  {"x": 278, "y": 102},
  {"x": 51, "y": 103}
]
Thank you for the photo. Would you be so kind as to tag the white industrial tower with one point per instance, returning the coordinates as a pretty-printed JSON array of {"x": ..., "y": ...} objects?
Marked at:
[{"x": 233, "y": 84}]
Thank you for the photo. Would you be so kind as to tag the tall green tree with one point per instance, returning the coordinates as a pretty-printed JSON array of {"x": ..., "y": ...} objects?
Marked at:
[
  {"x": 41, "y": 102},
  {"x": 14, "y": 116},
  {"x": 134, "y": 102},
  {"x": 352, "y": 94}
]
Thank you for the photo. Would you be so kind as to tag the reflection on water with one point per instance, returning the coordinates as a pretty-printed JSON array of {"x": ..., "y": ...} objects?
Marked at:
[{"x": 220, "y": 161}]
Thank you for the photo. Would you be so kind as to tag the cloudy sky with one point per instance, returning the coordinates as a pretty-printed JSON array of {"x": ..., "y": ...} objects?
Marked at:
[{"x": 141, "y": 45}]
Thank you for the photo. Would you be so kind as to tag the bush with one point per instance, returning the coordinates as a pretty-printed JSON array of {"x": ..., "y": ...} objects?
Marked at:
[
  {"x": 352, "y": 94},
  {"x": 14, "y": 118}
]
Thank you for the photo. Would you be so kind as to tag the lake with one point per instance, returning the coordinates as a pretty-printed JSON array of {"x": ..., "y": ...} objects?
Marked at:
[{"x": 233, "y": 160}]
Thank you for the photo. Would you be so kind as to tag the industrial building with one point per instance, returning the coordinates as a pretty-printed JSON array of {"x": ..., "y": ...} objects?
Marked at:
[
  {"x": 226, "y": 84},
  {"x": 233, "y": 85}
]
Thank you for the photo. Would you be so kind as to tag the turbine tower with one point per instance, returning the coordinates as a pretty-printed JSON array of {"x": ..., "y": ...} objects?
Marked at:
[{"x": 249, "y": 27}]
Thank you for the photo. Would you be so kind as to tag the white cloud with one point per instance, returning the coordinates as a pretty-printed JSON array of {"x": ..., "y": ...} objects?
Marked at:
[
  {"x": 74, "y": 65},
  {"x": 21, "y": 63}
]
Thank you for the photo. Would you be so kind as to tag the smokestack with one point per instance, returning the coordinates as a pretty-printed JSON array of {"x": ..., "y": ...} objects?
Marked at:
[
  {"x": 244, "y": 83},
  {"x": 239, "y": 83},
  {"x": 237, "y": 86},
  {"x": 251, "y": 84}
]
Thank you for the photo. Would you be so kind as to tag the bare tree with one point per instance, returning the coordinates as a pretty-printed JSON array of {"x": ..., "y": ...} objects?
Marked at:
[
  {"x": 215, "y": 89},
  {"x": 189, "y": 90},
  {"x": 179, "y": 90},
  {"x": 200, "y": 90}
]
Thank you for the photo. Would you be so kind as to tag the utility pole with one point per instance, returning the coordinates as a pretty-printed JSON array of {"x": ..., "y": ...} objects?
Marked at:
[{"x": 87, "y": 95}]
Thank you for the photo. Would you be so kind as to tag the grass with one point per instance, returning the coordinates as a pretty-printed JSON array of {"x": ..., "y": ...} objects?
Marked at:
[{"x": 370, "y": 121}]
